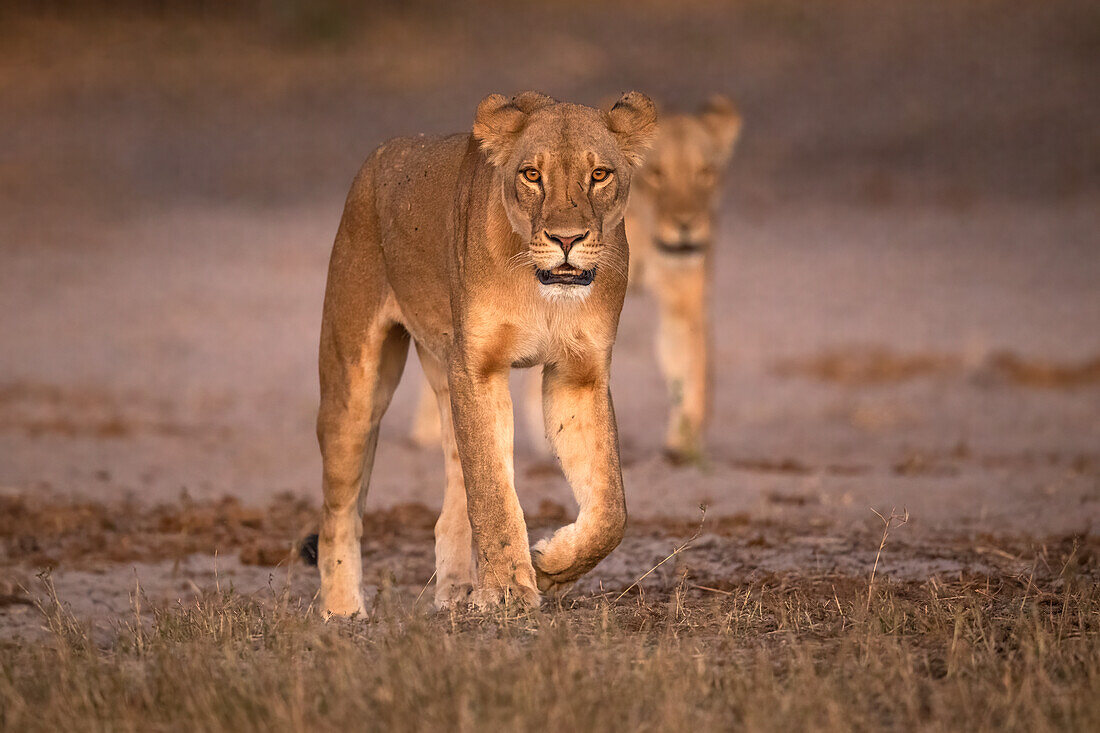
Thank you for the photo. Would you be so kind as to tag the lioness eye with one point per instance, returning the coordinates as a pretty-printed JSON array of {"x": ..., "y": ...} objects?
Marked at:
[
  {"x": 531, "y": 175},
  {"x": 600, "y": 174}
]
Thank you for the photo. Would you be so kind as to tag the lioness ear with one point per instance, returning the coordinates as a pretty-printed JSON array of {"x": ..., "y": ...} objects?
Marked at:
[
  {"x": 497, "y": 124},
  {"x": 500, "y": 120},
  {"x": 723, "y": 122},
  {"x": 530, "y": 101},
  {"x": 633, "y": 121}
]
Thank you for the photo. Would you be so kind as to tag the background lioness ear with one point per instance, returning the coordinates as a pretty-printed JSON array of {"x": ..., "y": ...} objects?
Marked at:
[
  {"x": 633, "y": 121},
  {"x": 721, "y": 118},
  {"x": 500, "y": 120}
]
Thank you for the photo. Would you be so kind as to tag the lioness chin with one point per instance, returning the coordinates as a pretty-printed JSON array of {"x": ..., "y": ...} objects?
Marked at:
[{"x": 501, "y": 248}]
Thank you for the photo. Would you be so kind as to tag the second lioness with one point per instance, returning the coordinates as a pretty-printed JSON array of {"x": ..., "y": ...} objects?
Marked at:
[
  {"x": 671, "y": 222},
  {"x": 498, "y": 249}
]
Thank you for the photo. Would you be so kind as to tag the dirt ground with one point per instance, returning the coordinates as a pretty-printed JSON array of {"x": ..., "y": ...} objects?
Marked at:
[{"x": 905, "y": 302}]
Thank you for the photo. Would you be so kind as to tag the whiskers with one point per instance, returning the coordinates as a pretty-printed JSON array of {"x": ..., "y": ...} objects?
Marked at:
[
  {"x": 614, "y": 265},
  {"x": 521, "y": 260},
  {"x": 609, "y": 263}
]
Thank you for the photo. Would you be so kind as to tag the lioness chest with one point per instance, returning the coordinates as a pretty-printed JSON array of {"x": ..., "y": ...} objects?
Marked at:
[{"x": 529, "y": 332}]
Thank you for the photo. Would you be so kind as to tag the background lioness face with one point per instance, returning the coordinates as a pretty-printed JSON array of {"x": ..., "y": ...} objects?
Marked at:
[
  {"x": 682, "y": 173},
  {"x": 566, "y": 172}
]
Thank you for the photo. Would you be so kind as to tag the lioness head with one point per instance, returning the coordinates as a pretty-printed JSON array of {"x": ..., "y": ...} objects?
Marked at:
[
  {"x": 566, "y": 172},
  {"x": 679, "y": 182}
]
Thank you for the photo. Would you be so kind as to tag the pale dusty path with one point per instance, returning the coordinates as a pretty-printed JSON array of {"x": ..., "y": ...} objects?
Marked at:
[{"x": 177, "y": 352}]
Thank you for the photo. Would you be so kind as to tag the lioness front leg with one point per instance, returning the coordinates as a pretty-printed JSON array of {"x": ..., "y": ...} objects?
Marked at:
[
  {"x": 580, "y": 422},
  {"x": 482, "y": 415},
  {"x": 682, "y": 354}
]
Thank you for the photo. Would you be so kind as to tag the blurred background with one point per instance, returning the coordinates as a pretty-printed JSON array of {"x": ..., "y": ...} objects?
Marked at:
[{"x": 906, "y": 309}]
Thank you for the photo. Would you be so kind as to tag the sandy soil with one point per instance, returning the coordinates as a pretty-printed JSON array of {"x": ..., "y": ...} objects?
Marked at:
[
  {"x": 189, "y": 366},
  {"x": 902, "y": 322},
  {"x": 859, "y": 352}
]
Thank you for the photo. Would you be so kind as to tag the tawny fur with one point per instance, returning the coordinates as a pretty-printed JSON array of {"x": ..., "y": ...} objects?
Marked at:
[{"x": 439, "y": 244}]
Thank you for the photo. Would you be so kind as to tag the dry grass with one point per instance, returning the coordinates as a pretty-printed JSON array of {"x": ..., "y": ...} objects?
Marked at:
[
  {"x": 791, "y": 653},
  {"x": 1011, "y": 642}
]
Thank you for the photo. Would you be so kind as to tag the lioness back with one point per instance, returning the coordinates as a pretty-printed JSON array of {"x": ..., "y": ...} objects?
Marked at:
[{"x": 409, "y": 185}]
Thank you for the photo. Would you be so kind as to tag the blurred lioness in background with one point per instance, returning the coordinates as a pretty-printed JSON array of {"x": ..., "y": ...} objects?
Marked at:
[{"x": 670, "y": 221}]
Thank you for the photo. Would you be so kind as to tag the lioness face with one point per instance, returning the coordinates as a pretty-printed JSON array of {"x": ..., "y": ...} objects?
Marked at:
[
  {"x": 565, "y": 173},
  {"x": 682, "y": 173}
]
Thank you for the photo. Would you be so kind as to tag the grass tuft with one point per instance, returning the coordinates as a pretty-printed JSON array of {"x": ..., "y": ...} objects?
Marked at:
[{"x": 779, "y": 654}]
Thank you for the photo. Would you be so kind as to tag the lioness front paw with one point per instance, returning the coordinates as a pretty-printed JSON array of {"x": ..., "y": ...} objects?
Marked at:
[
  {"x": 450, "y": 595},
  {"x": 514, "y": 594},
  {"x": 684, "y": 446},
  {"x": 550, "y": 587},
  {"x": 346, "y": 607},
  {"x": 553, "y": 561},
  {"x": 683, "y": 456},
  {"x": 544, "y": 575}
]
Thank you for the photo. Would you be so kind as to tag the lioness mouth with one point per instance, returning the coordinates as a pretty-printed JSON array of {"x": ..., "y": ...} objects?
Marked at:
[
  {"x": 566, "y": 275},
  {"x": 679, "y": 248}
]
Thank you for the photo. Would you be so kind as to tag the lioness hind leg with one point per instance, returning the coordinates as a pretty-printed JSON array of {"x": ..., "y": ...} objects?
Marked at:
[
  {"x": 455, "y": 576},
  {"x": 427, "y": 429},
  {"x": 682, "y": 355},
  {"x": 533, "y": 413},
  {"x": 356, "y": 388}
]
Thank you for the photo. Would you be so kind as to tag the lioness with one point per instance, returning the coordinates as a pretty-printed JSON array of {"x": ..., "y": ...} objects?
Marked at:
[
  {"x": 670, "y": 220},
  {"x": 497, "y": 249}
]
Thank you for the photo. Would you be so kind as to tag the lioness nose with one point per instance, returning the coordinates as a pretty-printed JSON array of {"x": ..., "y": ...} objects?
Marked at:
[{"x": 566, "y": 241}]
